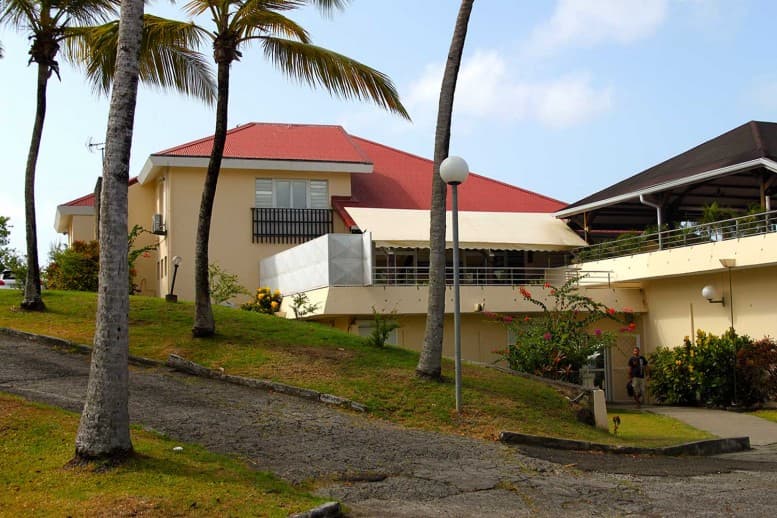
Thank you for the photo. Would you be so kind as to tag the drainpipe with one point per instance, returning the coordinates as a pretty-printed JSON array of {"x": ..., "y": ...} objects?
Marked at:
[{"x": 656, "y": 206}]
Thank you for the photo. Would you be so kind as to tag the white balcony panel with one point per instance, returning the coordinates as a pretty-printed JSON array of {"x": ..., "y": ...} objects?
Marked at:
[{"x": 329, "y": 260}]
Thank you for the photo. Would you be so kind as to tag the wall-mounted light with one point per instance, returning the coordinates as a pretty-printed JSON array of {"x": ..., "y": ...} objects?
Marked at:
[{"x": 712, "y": 294}]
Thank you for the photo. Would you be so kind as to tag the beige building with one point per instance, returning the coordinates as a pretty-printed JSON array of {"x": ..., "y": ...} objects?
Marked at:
[
  {"x": 314, "y": 210},
  {"x": 713, "y": 265}
]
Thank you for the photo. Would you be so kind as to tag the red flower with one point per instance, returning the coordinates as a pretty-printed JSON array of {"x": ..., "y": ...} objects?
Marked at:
[
  {"x": 632, "y": 326},
  {"x": 598, "y": 332},
  {"x": 546, "y": 285},
  {"x": 507, "y": 319},
  {"x": 547, "y": 336},
  {"x": 526, "y": 294},
  {"x": 526, "y": 318},
  {"x": 628, "y": 310},
  {"x": 610, "y": 311},
  {"x": 552, "y": 292}
]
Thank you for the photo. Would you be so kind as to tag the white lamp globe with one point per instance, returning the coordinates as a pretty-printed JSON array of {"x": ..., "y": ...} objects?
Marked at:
[
  {"x": 709, "y": 292},
  {"x": 177, "y": 260},
  {"x": 454, "y": 170}
]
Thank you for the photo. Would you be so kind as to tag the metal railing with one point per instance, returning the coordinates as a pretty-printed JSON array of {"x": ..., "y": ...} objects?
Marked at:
[
  {"x": 735, "y": 228},
  {"x": 487, "y": 276},
  {"x": 289, "y": 225}
]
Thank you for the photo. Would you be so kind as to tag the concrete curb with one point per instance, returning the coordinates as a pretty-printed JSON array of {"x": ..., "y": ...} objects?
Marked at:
[
  {"x": 327, "y": 510},
  {"x": 182, "y": 364},
  {"x": 698, "y": 448},
  {"x": 54, "y": 342}
]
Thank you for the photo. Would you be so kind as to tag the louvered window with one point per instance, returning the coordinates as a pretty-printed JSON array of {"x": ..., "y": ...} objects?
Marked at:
[{"x": 291, "y": 194}]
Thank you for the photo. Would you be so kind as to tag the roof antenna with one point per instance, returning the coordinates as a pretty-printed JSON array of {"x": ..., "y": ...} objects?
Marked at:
[{"x": 91, "y": 145}]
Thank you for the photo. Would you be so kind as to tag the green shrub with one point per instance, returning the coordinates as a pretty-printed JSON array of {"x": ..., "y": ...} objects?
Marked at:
[
  {"x": 74, "y": 268},
  {"x": 384, "y": 325},
  {"x": 673, "y": 379},
  {"x": 223, "y": 285},
  {"x": 265, "y": 301},
  {"x": 715, "y": 371}
]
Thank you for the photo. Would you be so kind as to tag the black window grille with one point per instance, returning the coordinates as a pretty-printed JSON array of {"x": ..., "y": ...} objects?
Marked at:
[{"x": 289, "y": 225}]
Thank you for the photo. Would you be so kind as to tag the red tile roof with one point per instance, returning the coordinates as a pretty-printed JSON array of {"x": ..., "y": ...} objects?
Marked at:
[
  {"x": 399, "y": 180},
  {"x": 88, "y": 199},
  {"x": 403, "y": 181},
  {"x": 279, "y": 142}
]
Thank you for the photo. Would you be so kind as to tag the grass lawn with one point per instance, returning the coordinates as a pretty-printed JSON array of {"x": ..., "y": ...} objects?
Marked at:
[
  {"x": 37, "y": 443},
  {"x": 771, "y": 415},
  {"x": 321, "y": 358}
]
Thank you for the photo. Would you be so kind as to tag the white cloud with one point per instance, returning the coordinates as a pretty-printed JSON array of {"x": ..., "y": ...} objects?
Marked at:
[
  {"x": 589, "y": 22},
  {"x": 486, "y": 89}
]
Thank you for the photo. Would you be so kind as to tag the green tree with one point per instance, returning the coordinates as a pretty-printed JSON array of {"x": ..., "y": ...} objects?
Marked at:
[
  {"x": 5, "y": 233},
  {"x": 77, "y": 24},
  {"x": 430, "y": 361},
  {"x": 237, "y": 23}
]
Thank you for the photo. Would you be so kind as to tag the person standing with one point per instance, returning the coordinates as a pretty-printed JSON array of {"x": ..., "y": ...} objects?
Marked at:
[{"x": 637, "y": 373}]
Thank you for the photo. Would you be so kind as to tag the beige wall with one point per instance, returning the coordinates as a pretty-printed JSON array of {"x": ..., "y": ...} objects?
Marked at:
[
  {"x": 81, "y": 229},
  {"x": 230, "y": 234},
  {"x": 141, "y": 205},
  {"x": 676, "y": 307},
  {"x": 409, "y": 300}
]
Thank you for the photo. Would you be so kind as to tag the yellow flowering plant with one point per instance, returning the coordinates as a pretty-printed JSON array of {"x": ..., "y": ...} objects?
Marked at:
[{"x": 265, "y": 300}]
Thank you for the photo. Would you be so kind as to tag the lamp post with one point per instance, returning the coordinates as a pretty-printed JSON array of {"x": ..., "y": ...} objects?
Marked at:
[
  {"x": 453, "y": 171},
  {"x": 171, "y": 297}
]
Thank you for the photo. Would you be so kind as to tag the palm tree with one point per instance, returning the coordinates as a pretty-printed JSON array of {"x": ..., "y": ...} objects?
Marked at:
[
  {"x": 288, "y": 46},
  {"x": 103, "y": 432},
  {"x": 430, "y": 361},
  {"x": 52, "y": 22}
]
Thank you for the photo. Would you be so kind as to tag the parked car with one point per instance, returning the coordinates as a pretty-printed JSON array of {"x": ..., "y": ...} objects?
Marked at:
[{"x": 7, "y": 279}]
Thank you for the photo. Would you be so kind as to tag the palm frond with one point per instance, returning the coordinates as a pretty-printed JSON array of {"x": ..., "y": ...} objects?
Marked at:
[
  {"x": 86, "y": 12},
  {"x": 256, "y": 23},
  {"x": 340, "y": 75},
  {"x": 168, "y": 56},
  {"x": 19, "y": 14}
]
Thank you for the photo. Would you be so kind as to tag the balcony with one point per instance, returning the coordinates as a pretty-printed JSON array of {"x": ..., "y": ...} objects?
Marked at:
[
  {"x": 717, "y": 232},
  {"x": 289, "y": 225},
  {"x": 488, "y": 276}
]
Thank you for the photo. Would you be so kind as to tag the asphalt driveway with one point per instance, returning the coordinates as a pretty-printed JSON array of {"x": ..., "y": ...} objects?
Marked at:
[{"x": 378, "y": 469}]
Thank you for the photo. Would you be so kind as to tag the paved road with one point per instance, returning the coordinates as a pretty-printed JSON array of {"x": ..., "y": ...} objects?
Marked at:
[{"x": 379, "y": 470}]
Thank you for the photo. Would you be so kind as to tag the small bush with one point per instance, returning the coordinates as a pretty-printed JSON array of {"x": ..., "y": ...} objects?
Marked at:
[
  {"x": 74, "y": 268},
  {"x": 715, "y": 371},
  {"x": 302, "y": 306},
  {"x": 265, "y": 301},
  {"x": 384, "y": 325},
  {"x": 223, "y": 285},
  {"x": 557, "y": 343}
]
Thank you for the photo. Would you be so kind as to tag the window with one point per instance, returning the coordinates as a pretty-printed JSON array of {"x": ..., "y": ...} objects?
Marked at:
[{"x": 291, "y": 194}]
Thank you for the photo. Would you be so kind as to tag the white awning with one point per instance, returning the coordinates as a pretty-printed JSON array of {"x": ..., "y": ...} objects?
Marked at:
[{"x": 404, "y": 228}]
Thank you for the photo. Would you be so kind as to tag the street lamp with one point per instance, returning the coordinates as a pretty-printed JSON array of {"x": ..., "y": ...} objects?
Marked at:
[
  {"x": 171, "y": 297},
  {"x": 453, "y": 171}
]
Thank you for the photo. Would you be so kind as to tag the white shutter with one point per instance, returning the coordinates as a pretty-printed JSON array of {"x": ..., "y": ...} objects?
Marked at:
[
  {"x": 263, "y": 198},
  {"x": 319, "y": 194}
]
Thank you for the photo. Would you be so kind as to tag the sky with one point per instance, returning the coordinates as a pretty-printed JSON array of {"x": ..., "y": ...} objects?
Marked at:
[{"x": 561, "y": 97}]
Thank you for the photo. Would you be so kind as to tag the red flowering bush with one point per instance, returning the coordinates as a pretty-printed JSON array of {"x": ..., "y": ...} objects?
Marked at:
[{"x": 557, "y": 343}]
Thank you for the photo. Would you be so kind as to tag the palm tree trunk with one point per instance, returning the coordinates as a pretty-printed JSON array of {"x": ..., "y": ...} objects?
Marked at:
[
  {"x": 103, "y": 432},
  {"x": 430, "y": 361},
  {"x": 32, "y": 293},
  {"x": 204, "y": 323}
]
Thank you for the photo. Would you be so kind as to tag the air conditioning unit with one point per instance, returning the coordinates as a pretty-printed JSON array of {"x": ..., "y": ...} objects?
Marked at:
[{"x": 157, "y": 226}]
